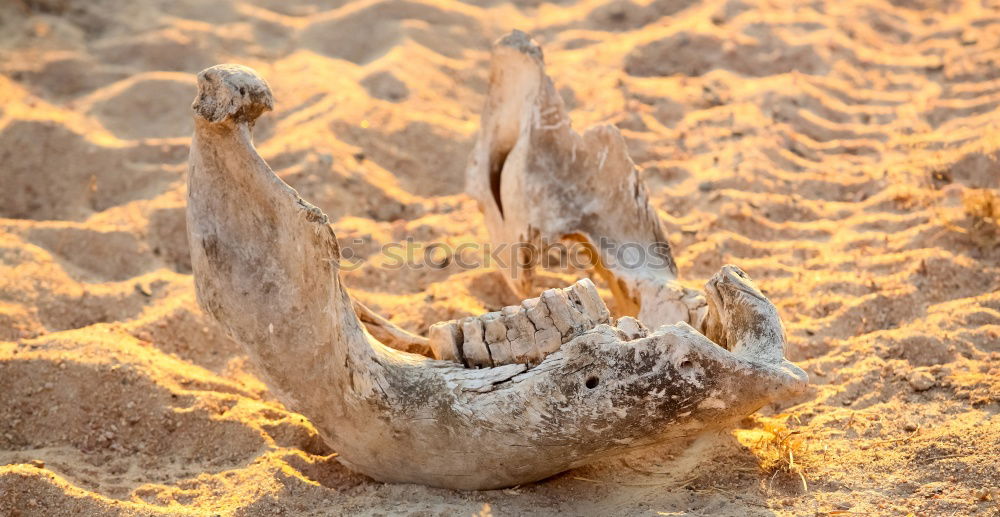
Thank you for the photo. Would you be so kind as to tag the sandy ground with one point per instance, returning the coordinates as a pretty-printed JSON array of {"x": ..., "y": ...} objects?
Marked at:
[{"x": 836, "y": 150}]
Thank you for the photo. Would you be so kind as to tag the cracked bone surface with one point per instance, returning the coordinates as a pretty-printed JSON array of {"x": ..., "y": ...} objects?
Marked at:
[
  {"x": 539, "y": 182},
  {"x": 524, "y": 333},
  {"x": 265, "y": 266}
]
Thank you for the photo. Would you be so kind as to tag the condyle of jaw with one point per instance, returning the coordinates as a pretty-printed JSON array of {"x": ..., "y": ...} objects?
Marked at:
[
  {"x": 540, "y": 182},
  {"x": 265, "y": 267}
]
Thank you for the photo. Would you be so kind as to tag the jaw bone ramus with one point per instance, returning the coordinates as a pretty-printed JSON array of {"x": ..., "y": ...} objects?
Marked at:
[
  {"x": 551, "y": 384},
  {"x": 539, "y": 182}
]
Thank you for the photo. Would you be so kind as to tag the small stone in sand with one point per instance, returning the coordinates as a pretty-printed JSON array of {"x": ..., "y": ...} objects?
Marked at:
[{"x": 921, "y": 380}]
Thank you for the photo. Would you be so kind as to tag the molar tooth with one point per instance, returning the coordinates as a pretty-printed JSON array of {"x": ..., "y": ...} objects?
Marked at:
[
  {"x": 493, "y": 327},
  {"x": 547, "y": 337},
  {"x": 593, "y": 306},
  {"x": 473, "y": 346},
  {"x": 548, "y": 341},
  {"x": 521, "y": 334},
  {"x": 566, "y": 318},
  {"x": 446, "y": 341},
  {"x": 508, "y": 315},
  {"x": 496, "y": 338},
  {"x": 537, "y": 312}
]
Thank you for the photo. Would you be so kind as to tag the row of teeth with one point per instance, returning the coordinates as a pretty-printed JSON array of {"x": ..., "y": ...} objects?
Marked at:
[{"x": 528, "y": 332}]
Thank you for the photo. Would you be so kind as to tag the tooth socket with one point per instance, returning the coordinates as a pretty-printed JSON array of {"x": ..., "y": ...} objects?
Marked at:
[{"x": 524, "y": 333}]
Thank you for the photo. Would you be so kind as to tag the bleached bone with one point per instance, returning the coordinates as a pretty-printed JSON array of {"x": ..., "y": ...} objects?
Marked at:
[
  {"x": 389, "y": 334},
  {"x": 524, "y": 333},
  {"x": 539, "y": 182},
  {"x": 266, "y": 267}
]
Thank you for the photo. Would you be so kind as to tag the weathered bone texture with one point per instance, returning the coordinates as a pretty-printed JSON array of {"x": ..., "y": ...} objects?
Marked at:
[
  {"x": 524, "y": 333},
  {"x": 266, "y": 267},
  {"x": 389, "y": 334},
  {"x": 539, "y": 182}
]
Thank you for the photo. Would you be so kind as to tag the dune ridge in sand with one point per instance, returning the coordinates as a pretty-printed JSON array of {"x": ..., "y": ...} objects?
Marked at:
[{"x": 845, "y": 154}]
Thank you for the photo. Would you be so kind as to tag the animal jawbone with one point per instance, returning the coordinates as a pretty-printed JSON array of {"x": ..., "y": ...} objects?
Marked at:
[{"x": 265, "y": 267}]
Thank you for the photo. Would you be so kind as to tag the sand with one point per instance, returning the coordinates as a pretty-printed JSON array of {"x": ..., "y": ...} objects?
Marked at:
[{"x": 845, "y": 154}]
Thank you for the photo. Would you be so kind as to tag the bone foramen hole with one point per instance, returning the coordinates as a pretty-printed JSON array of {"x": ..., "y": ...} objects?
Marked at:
[{"x": 592, "y": 382}]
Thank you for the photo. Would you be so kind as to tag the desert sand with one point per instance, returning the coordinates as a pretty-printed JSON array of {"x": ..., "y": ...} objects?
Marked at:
[{"x": 845, "y": 154}]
